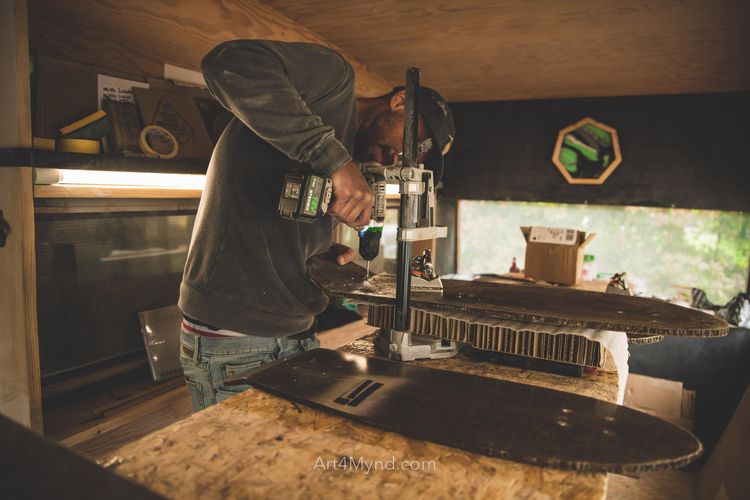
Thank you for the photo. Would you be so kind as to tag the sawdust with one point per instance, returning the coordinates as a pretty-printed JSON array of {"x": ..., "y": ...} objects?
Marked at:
[
  {"x": 380, "y": 284},
  {"x": 367, "y": 287}
]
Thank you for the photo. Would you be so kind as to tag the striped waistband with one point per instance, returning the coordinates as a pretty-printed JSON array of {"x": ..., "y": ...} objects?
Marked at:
[{"x": 208, "y": 332}]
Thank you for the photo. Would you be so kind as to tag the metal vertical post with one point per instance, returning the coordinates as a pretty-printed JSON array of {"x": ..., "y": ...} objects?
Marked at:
[{"x": 406, "y": 218}]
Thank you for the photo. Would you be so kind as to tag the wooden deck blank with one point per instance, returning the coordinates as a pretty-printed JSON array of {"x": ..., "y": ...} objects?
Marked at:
[{"x": 530, "y": 304}]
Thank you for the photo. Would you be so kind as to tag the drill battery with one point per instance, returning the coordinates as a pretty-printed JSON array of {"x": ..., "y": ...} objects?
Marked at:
[{"x": 305, "y": 197}]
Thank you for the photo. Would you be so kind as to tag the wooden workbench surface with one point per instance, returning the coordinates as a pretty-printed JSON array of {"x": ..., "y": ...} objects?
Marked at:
[{"x": 256, "y": 445}]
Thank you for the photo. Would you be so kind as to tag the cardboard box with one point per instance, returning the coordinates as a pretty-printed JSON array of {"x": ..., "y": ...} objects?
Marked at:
[
  {"x": 177, "y": 112},
  {"x": 555, "y": 254},
  {"x": 64, "y": 91},
  {"x": 662, "y": 398}
]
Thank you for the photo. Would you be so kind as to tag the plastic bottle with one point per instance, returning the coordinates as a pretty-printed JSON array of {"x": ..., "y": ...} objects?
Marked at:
[
  {"x": 588, "y": 272},
  {"x": 514, "y": 267}
]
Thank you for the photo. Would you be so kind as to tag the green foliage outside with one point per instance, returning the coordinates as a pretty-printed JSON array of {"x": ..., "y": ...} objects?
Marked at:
[{"x": 657, "y": 247}]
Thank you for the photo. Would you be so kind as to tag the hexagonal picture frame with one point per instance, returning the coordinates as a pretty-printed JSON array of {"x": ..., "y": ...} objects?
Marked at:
[{"x": 587, "y": 152}]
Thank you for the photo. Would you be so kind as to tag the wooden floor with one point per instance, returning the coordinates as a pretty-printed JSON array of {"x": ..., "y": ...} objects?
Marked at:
[{"x": 100, "y": 423}]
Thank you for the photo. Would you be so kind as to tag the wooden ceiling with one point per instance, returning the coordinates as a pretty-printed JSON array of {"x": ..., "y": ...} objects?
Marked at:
[
  {"x": 519, "y": 49},
  {"x": 137, "y": 37}
]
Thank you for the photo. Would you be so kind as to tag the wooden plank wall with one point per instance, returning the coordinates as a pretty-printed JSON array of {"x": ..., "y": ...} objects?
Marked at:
[
  {"x": 20, "y": 387},
  {"x": 686, "y": 151},
  {"x": 138, "y": 36},
  {"x": 20, "y": 383}
]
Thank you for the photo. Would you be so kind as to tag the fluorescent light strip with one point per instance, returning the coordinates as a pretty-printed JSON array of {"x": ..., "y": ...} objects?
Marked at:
[
  {"x": 131, "y": 179},
  {"x": 141, "y": 179}
]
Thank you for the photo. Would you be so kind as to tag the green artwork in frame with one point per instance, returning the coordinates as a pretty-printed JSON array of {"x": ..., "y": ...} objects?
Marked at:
[{"x": 587, "y": 152}]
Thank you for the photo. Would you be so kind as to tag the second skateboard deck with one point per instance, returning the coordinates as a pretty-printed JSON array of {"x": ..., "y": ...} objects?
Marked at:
[{"x": 483, "y": 415}]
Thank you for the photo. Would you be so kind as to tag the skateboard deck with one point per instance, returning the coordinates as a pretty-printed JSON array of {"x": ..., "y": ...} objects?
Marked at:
[
  {"x": 531, "y": 304},
  {"x": 483, "y": 415}
]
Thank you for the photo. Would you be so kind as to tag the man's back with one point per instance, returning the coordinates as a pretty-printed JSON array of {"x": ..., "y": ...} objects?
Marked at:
[{"x": 245, "y": 270}]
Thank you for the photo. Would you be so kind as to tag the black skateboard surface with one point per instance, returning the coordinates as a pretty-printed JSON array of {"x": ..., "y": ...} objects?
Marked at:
[{"x": 492, "y": 417}]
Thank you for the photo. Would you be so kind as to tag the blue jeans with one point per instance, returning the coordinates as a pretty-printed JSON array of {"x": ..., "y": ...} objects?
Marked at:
[{"x": 208, "y": 361}]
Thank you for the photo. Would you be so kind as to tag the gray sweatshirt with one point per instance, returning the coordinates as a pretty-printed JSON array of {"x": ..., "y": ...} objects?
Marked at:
[{"x": 294, "y": 107}]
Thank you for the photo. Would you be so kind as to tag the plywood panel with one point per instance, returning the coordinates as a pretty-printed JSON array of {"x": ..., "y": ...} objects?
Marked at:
[
  {"x": 515, "y": 49},
  {"x": 210, "y": 453},
  {"x": 20, "y": 386},
  {"x": 139, "y": 36}
]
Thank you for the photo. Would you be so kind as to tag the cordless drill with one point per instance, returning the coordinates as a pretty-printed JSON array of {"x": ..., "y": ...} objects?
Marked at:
[{"x": 307, "y": 196}]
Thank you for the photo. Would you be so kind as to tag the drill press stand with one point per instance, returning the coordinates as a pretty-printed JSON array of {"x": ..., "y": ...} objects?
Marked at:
[{"x": 416, "y": 223}]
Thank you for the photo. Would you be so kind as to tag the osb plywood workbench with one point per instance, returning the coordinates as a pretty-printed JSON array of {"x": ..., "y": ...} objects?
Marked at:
[{"x": 255, "y": 445}]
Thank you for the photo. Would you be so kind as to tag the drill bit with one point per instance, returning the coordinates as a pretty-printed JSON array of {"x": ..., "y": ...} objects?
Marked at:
[{"x": 367, "y": 270}]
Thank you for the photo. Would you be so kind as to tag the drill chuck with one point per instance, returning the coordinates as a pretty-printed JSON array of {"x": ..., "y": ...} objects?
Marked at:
[{"x": 369, "y": 242}]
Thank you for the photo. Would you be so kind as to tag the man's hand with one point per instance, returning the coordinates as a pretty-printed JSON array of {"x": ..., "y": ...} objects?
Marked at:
[
  {"x": 344, "y": 254},
  {"x": 352, "y": 196}
]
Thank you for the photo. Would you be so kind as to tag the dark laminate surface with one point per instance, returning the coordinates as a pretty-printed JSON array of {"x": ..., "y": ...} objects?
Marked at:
[
  {"x": 32, "y": 466},
  {"x": 530, "y": 304},
  {"x": 478, "y": 414}
]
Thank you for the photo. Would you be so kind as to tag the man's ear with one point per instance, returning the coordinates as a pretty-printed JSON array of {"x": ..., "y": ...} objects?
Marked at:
[{"x": 397, "y": 101}]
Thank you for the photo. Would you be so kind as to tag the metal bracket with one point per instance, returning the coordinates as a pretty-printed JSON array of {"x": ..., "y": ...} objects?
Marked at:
[
  {"x": 403, "y": 346},
  {"x": 423, "y": 275},
  {"x": 421, "y": 233},
  {"x": 422, "y": 285}
]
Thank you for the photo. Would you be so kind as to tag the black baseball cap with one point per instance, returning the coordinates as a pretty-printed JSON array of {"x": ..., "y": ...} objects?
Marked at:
[{"x": 438, "y": 119}]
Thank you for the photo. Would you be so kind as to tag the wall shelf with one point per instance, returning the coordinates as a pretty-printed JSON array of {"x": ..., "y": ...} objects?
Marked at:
[
  {"x": 94, "y": 191},
  {"x": 27, "y": 157}
]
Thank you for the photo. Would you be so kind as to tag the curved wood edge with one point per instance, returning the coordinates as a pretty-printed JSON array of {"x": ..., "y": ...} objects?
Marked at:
[
  {"x": 644, "y": 339},
  {"x": 543, "y": 305}
]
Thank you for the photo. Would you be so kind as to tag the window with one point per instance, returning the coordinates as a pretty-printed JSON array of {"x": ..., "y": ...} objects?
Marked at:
[
  {"x": 660, "y": 249},
  {"x": 95, "y": 272}
]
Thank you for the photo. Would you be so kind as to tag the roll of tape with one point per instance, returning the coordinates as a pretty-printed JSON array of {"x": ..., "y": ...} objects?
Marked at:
[
  {"x": 78, "y": 146},
  {"x": 158, "y": 141},
  {"x": 43, "y": 143}
]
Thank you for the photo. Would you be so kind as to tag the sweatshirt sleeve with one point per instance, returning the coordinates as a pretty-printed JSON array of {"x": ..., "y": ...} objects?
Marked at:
[{"x": 269, "y": 86}]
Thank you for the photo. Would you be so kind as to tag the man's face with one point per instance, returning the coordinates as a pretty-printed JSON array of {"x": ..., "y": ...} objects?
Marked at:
[{"x": 381, "y": 139}]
